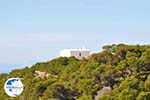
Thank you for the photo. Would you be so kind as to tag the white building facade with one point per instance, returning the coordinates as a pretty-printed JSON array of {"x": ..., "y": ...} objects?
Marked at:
[{"x": 78, "y": 53}]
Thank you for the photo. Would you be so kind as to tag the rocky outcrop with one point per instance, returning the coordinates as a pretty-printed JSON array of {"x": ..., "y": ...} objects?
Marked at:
[
  {"x": 105, "y": 90},
  {"x": 41, "y": 74}
]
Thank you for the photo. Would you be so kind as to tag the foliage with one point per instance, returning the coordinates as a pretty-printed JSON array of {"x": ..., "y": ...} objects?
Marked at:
[{"x": 124, "y": 68}]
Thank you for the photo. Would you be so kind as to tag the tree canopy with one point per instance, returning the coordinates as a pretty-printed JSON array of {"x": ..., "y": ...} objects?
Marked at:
[{"x": 123, "y": 68}]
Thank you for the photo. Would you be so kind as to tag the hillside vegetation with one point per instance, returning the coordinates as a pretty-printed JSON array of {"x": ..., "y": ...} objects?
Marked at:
[{"x": 119, "y": 72}]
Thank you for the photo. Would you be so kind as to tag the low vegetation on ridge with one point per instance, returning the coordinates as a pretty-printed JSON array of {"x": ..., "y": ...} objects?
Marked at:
[{"x": 124, "y": 70}]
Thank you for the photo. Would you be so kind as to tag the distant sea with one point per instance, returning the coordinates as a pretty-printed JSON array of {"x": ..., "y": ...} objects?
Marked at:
[{"x": 6, "y": 68}]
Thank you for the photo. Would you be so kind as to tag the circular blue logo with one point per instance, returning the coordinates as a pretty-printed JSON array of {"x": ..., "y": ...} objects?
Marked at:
[{"x": 13, "y": 87}]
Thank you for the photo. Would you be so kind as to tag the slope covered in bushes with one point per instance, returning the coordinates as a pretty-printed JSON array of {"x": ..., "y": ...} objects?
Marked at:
[{"x": 125, "y": 69}]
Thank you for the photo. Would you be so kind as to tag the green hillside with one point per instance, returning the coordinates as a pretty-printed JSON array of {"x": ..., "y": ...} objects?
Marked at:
[{"x": 118, "y": 72}]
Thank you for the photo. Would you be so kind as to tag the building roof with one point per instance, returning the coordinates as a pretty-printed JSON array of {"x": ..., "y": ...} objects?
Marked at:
[{"x": 75, "y": 50}]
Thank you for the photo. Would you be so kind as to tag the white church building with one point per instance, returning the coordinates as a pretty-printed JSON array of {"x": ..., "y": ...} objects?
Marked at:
[{"x": 78, "y": 53}]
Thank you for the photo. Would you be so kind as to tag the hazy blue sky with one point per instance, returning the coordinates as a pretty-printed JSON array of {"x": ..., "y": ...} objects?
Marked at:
[{"x": 36, "y": 30}]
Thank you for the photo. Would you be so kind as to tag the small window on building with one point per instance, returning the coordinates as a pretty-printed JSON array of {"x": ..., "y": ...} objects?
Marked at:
[{"x": 80, "y": 54}]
